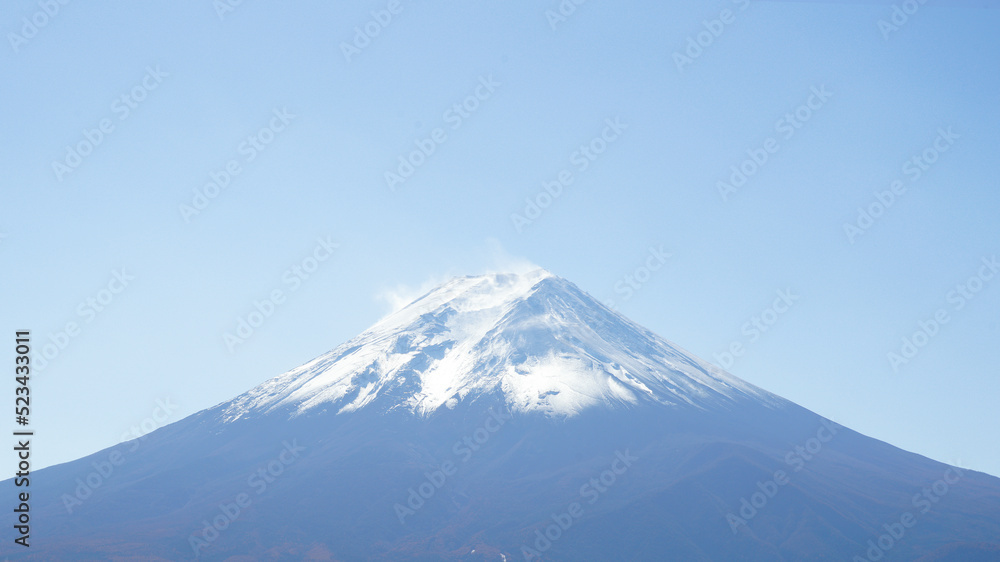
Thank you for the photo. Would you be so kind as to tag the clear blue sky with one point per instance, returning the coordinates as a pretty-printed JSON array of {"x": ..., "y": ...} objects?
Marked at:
[{"x": 325, "y": 123}]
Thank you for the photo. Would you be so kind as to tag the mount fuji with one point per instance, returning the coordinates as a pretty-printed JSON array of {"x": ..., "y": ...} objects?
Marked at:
[{"x": 508, "y": 417}]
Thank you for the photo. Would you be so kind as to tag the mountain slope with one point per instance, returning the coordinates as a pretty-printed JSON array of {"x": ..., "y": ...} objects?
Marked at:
[{"x": 509, "y": 417}]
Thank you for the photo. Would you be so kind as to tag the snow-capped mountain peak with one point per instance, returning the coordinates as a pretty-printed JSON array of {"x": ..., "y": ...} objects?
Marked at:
[{"x": 534, "y": 339}]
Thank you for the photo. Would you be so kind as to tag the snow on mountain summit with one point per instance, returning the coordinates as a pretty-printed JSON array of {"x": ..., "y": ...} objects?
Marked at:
[{"x": 534, "y": 338}]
